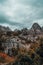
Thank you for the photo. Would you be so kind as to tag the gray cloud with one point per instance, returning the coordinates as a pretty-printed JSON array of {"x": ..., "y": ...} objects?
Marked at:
[{"x": 21, "y": 13}]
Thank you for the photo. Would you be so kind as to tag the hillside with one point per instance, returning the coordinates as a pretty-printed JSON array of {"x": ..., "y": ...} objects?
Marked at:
[{"x": 21, "y": 47}]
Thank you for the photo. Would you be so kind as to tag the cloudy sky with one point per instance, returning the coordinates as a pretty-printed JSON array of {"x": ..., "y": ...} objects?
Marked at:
[{"x": 21, "y": 13}]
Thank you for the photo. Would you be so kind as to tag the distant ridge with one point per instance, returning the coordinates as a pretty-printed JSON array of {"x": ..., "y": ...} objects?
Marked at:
[
  {"x": 3, "y": 28},
  {"x": 35, "y": 28}
]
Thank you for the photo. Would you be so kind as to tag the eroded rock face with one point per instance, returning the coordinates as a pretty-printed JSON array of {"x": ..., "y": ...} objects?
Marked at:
[
  {"x": 9, "y": 44},
  {"x": 12, "y": 43}
]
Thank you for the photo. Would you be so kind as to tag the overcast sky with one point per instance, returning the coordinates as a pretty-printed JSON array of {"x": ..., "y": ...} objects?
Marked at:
[{"x": 21, "y": 13}]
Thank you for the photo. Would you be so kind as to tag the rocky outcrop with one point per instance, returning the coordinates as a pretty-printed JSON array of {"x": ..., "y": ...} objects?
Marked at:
[
  {"x": 36, "y": 26},
  {"x": 36, "y": 29},
  {"x": 24, "y": 31}
]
